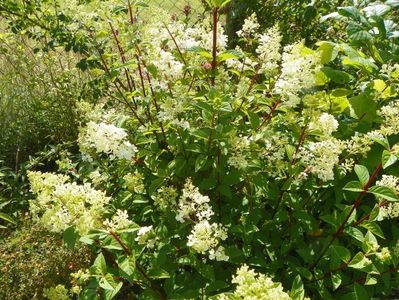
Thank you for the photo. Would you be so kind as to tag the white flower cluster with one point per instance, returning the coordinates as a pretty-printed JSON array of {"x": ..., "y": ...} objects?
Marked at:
[
  {"x": 358, "y": 144},
  {"x": 134, "y": 182},
  {"x": 273, "y": 150},
  {"x": 245, "y": 64},
  {"x": 205, "y": 237},
  {"x": 384, "y": 255},
  {"x": 321, "y": 157},
  {"x": 193, "y": 205},
  {"x": 269, "y": 50},
  {"x": 98, "y": 178},
  {"x": 170, "y": 110},
  {"x": 166, "y": 198},
  {"x": 164, "y": 36},
  {"x": 168, "y": 65},
  {"x": 239, "y": 148},
  {"x": 390, "y": 114},
  {"x": 106, "y": 138},
  {"x": 119, "y": 221},
  {"x": 390, "y": 70},
  {"x": 391, "y": 209},
  {"x": 325, "y": 124},
  {"x": 250, "y": 27},
  {"x": 299, "y": 66},
  {"x": 79, "y": 279},
  {"x": 61, "y": 204},
  {"x": 256, "y": 286},
  {"x": 146, "y": 236},
  {"x": 59, "y": 292}
]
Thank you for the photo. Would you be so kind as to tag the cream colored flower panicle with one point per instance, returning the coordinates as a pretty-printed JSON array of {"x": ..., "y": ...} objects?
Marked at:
[
  {"x": 320, "y": 158},
  {"x": 298, "y": 70},
  {"x": 166, "y": 198},
  {"x": 59, "y": 292},
  {"x": 205, "y": 238},
  {"x": 108, "y": 139},
  {"x": 61, "y": 204},
  {"x": 119, "y": 221},
  {"x": 239, "y": 150},
  {"x": 192, "y": 204},
  {"x": 389, "y": 210},
  {"x": 256, "y": 286},
  {"x": 250, "y": 27},
  {"x": 390, "y": 114},
  {"x": 325, "y": 124},
  {"x": 269, "y": 50}
]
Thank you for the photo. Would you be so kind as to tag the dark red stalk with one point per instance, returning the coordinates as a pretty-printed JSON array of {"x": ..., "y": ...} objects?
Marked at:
[
  {"x": 355, "y": 205},
  {"x": 214, "y": 44}
]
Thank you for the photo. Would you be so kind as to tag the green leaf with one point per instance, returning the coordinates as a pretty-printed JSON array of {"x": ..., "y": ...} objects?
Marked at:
[
  {"x": 370, "y": 280},
  {"x": 380, "y": 140},
  {"x": 363, "y": 107},
  {"x": 227, "y": 55},
  {"x": 328, "y": 51},
  {"x": 158, "y": 273},
  {"x": 388, "y": 159},
  {"x": 99, "y": 265},
  {"x": 336, "y": 76},
  {"x": 374, "y": 228},
  {"x": 361, "y": 63},
  {"x": 155, "y": 184},
  {"x": 127, "y": 266},
  {"x": 350, "y": 12},
  {"x": 363, "y": 174},
  {"x": 376, "y": 10},
  {"x": 369, "y": 242},
  {"x": 200, "y": 162},
  {"x": 360, "y": 292},
  {"x": 357, "y": 33},
  {"x": 7, "y": 218},
  {"x": 216, "y": 285},
  {"x": 70, "y": 236},
  {"x": 359, "y": 261},
  {"x": 110, "y": 294},
  {"x": 297, "y": 290},
  {"x": 341, "y": 252},
  {"x": 354, "y": 186},
  {"x": 88, "y": 294},
  {"x": 202, "y": 52},
  {"x": 107, "y": 282},
  {"x": 336, "y": 280},
  {"x": 355, "y": 233},
  {"x": 384, "y": 192}
]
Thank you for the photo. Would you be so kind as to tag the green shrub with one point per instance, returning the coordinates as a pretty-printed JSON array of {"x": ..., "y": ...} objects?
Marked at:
[
  {"x": 38, "y": 95},
  {"x": 32, "y": 259},
  {"x": 264, "y": 171}
]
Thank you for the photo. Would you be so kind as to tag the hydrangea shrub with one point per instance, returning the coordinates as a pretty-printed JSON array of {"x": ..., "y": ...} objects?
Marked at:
[{"x": 267, "y": 171}]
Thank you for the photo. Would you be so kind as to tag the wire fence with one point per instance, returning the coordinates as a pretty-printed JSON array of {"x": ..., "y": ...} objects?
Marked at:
[
  {"x": 192, "y": 9},
  {"x": 186, "y": 7}
]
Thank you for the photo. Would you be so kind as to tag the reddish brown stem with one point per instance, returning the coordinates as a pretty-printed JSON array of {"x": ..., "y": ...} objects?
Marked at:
[
  {"x": 130, "y": 12},
  {"x": 300, "y": 143},
  {"x": 129, "y": 80},
  {"x": 269, "y": 116},
  {"x": 214, "y": 44},
  {"x": 153, "y": 286},
  {"x": 356, "y": 204}
]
